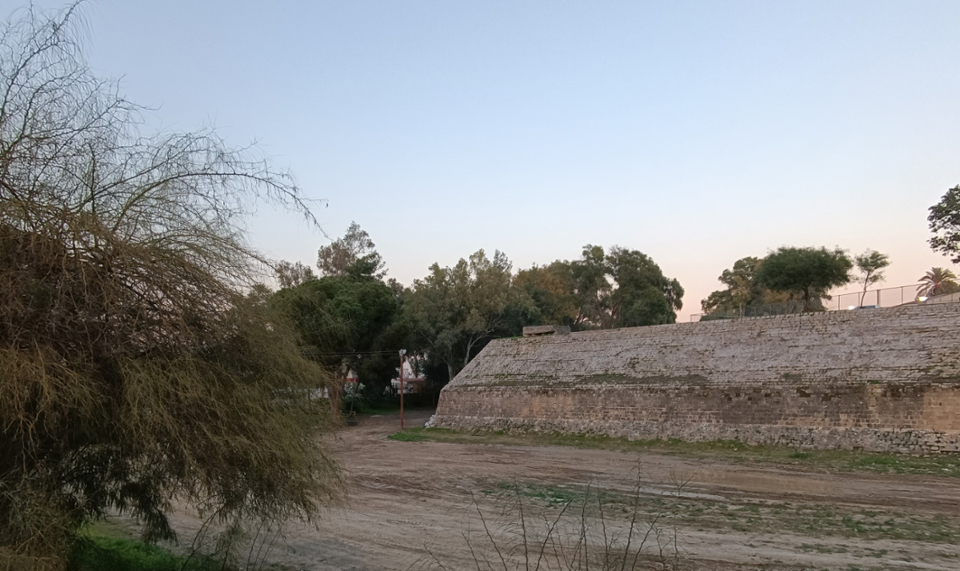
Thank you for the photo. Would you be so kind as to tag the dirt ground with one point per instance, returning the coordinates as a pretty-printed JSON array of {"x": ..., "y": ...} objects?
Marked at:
[{"x": 411, "y": 502}]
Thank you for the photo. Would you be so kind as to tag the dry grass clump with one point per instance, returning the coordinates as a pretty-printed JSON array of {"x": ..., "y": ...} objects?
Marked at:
[
  {"x": 575, "y": 530},
  {"x": 134, "y": 370}
]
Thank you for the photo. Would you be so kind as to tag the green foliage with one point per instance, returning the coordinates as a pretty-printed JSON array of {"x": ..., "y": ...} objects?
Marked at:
[
  {"x": 454, "y": 311},
  {"x": 349, "y": 319},
  {"x": 347, "y": 323},
  {"x": 937, "y": 281},
  {"x": 624, "y": 288},
  {"x": 809, "y": 272},
  {"x": 870, "y": 264},
  {"x": 742, "y": 288},
  {"x": 553, "y": 303},
  {"x": 409, "y": 435},
  {"x": 643, "y": 296},
  {"x": 946, "y": 465},
  {"x": 353, "y": 255},
  {"x": 115, "y": 554},
  {"x": 134, "y": 368},
  {"x": 944, "y": 220}
]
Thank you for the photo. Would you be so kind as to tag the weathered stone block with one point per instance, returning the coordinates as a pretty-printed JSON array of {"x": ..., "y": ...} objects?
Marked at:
[{"x": 539, "y": 330}]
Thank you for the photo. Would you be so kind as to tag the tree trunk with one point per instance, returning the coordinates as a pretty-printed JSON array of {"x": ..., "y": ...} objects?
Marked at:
[
  {"x": 470, "y": 344},
  {"x": 866, "y": 283}
]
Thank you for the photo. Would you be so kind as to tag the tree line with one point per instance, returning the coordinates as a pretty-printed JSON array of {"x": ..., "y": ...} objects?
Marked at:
[{"x": 352, "y": 318}]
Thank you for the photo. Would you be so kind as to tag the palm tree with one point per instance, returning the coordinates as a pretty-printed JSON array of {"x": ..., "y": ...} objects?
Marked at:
[{"x": 937, "y": 281}]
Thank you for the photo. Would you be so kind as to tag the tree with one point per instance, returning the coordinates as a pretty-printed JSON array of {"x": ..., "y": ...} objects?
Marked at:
[
  {"x": 742, "y": 287},
  {"x": 624, "y": 288},
  {"x": 870, "y": 265},
  {"x": 134, "y": 367},
  {"x": 552, "y": 301},
  {"x": 937, "y": 281},
  {"x": 744, "y": 294},
  {"x": 348, "y": 323},
  {"x": 944, "y": 220},
  {"x": 643, "y": 296},
  {"x": 809, "y": 272},
  {"x": 292, "y": 274},
  {"x": 456, "y": 310},
  {"x": 591, "y": 285},
  {"x": 353, "y": 254}
]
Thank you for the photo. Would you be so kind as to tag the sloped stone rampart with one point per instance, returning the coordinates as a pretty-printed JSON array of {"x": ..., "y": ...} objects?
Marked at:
[{"x": 879, "y": 380}]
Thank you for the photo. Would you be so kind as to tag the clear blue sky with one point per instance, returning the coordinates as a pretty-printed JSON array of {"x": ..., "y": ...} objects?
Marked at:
[{"x": 696, "y": 132}]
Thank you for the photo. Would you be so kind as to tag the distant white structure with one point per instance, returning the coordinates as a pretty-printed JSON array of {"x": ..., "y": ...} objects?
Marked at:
[{"x": 411, "y": 382}]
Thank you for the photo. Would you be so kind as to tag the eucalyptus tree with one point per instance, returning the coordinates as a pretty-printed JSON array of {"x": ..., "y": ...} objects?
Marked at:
[
  {"x": 354, "y": 254},
  {"x": 622, "y": 288},
  {"x": 455, "y": 310}
]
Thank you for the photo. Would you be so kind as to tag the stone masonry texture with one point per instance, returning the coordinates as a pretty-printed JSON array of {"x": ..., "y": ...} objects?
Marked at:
[{"x": 876, "y": 380}]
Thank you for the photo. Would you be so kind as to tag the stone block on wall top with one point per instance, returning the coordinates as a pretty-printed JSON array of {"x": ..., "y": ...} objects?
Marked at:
[{"x": 539, "y": 330}]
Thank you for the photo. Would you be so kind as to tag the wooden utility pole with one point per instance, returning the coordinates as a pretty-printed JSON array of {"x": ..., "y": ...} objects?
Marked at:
[{"x": 402, "y": 353}]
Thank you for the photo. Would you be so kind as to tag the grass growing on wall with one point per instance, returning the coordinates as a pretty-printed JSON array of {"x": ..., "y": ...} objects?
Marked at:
[{"x": 946, "y": 465}]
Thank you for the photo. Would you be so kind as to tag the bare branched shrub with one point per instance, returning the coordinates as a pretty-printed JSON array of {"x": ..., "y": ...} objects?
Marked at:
[
  {"x": 134, "y": 371},
  {"x": 596, "y": 530}
]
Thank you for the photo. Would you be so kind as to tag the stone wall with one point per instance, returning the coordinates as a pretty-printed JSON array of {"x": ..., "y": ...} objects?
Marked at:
[{"x": 880, "y": 380}]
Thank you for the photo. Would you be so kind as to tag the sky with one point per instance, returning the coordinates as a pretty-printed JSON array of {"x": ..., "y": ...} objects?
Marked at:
[{"x": 696, "y": 132}]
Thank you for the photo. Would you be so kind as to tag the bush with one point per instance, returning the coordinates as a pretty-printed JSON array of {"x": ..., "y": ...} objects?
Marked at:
[
  {"x": 114, "y": 554},
  {"x": 139, "y": 361}
]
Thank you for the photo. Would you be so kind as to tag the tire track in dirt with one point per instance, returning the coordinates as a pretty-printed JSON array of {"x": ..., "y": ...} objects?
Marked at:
[{"x": 407, "y": 500}]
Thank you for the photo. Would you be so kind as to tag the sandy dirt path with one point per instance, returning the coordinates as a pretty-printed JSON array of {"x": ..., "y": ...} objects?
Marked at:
[{"x": 406, "y": 499}]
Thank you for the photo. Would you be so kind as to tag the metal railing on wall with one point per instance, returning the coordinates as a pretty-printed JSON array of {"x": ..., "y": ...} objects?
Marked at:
[{"x": 883, "y": 297}]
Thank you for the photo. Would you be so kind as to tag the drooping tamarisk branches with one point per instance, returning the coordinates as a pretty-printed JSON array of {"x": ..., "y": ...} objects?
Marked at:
[{"x": 134, "y": 368}]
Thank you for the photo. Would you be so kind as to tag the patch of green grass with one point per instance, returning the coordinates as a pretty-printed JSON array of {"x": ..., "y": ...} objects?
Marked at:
[
  {"x": 410, "y": 435},
  {"x": 945, "y": 465},
  {"x": 97, "y": 553},
  {"x": 811, "y": 521}
]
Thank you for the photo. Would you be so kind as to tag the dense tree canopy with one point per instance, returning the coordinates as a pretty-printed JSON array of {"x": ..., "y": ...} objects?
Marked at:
[
  {"x": 742, "y": 289},
  {"x": 455, "y": 310},
  {"x": 354, "y": 254},
  {"x": 745, "y": 294},
  {"x": 944, "y": 222},
  {"x": 134, "y": 368},
  {"x": 624, "y": 288},
  {"x": 292, "y": 274},
  {"x": 809, "y": 272},
  {"x": 551, "y": 301},
  {"x": 643, "y": 295},
  {"x": 348, "y": 323}
]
